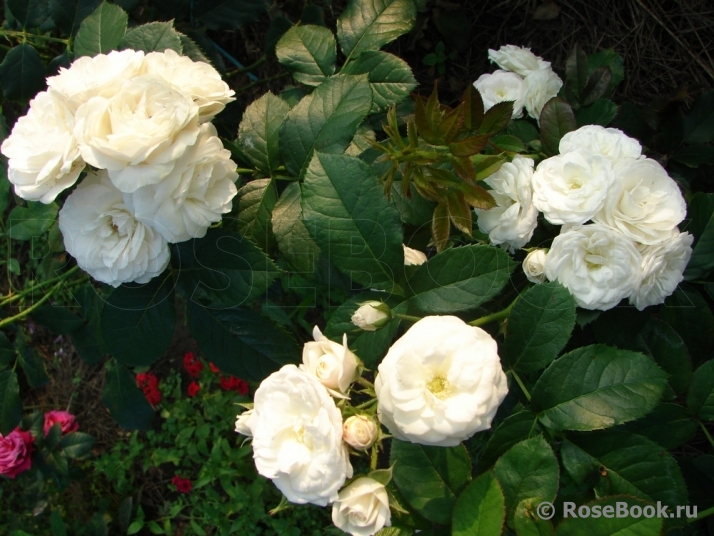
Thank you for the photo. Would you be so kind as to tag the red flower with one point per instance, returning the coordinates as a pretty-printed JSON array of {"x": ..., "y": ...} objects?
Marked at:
[
  {"x": 63, "y": 418},
  {"x": 231, "y": 383},
  {"x": 214, "y": 368},
  {"x": 193, "y": 389},
  {"x": 16, "y": 452},
  {"x": 182, "y": 484},
  {"x": 192, "y": 365},
  {"x": 149, "y": 384}
]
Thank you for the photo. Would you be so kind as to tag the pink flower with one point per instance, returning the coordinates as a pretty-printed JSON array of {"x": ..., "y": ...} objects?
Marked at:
[
  {"x": 15, "y": 452},
  {"x": 65, "y": 420},
  {"x": 183, "y": 485}
]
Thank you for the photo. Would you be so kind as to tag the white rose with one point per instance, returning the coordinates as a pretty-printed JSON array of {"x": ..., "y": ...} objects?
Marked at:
[
  {"x": 360, "y": 432},
  {"x": 644, "y": 203},
  {"x": 440, "y": 383},
  {"x": 598, "y": 265},
  {"x": 100, "y": 76},
  {"x": 662, "y": 270},
  {"x": 517, "y": 59},
  {"x": 370, "y": 316},
  {"x": 413, "y": 257},
  {"x": 297, "y": 437},
  {"x": 512, "y": 221},
  {"x": 244, "y": 423},
  {"x": 502, "y": 86},
  {"x": 541, "y": 86},
  {"x": 105, "y": 238},
  {"x": 334, "y": 365},
  {"x": 194, "y": 195},
  {"x": 611, "y": 143},
  {"x": 362, "y": 508},
  {"x": 572, "y": 187},
  {"x": 43, "y": 155},
  {"x": 197, "y": 79},
  {"x": 534, "y": 265},
  {"x": 139, "y": 133}
]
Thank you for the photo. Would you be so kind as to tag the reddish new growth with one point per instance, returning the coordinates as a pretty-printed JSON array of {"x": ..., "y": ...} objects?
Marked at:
[
  {"x": 149, "y": 384},
  {"x": 182, "y": 484},
  {"x": 231, "y": 383},
  {"x": 193, "y": 389},
  {"x": 192, "y": 365}
]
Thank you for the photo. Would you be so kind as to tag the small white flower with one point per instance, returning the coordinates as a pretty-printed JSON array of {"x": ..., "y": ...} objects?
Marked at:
[
  {"x": 517, "y": 59},
  {"x": 541, "y": 86},
  {"x": 502, "y": 86},
  {"x": 662, "y": 270},
  {"x": 243, "y": 423},
  {"x": 362, "y": 508},
  {"x": 413, "y": 257},
  {"x": 440, "y": 383},
  {"x": 534, "y": 265},
  {"x": 360, "y": 432},
  {"x": 370, "y": 316},
  {"x": 512, "y": 221},
  {"x": 597, "y": 264},
  {"x": 611, "y": 143},
  {"x": 334, "y": 365},
  {"x": 572, "y": 187}
]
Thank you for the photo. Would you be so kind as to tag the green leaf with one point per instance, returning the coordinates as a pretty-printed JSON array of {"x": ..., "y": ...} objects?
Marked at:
[
  {"x": 508, "y": 143},
  {"x": 370, "y": 24},
  {"x": 496, "y": 118},
  {"x": 125, "y": 401},
  {"x": 240, "y": 341},
  {"x": 293, "y": 238},
  {"x": 390, "y": 78},
  {"x": 529, "y": 470},
  {"x": 597, "y": 387},
  {"x": 25, "y": 223},
  {"x": 152, "y": 37},
  {"x": 88, "y": 339},
  {"x": 259, "y": 131},
  {"x": 514, "y": 429},
  {"x": 191, "y": 49},
  {"x": 701, "y": 392},
  {"x": 430, "y": 478},
  {"x": 10, "y": 405},
  {"x": 76, "y": 444},
  {"x": 57, "y": 319},
  {"x": 138, "y": 321},
  {"x": 69, "y": 14},
  {"x": 309, "y": 53},
  {"x": 57, "y": 524},
  {"x": 7, "y": 351},
  {"x": 228, "y": 14},
  {"x": 694, "y": 154},
  {"x": 224, "y": 269},
  {"x": 325, "y": 120},
  {"x": 459, "y": 279},
  {"x": 688, "y": 313},
  {"x": 29, "y": 13},
  {"x": 576, "y": 70},
  {"x": 539, "y": 327},
  {"x": 22, "y": 73},
  {"x": 623, "y": 525},
  {"x": 556, "y": 120},
  {"x": 609, "y": 58},
  {"x": 34, "y": 367},
  {"x": 527, "y": 522},
  {"x": 699, "y": 122},
  {"x": 597, "y": 86},
  {"x": 361, "y": 141},
  {"x": 101, "y": 31},
  {"x": 669, "y": 351},
  {"x": 343, "y": 205},
  {"x": 414, "y": 210},
  {"x": 669, "y": 425},
  {"x": 628, "y": 464},
  {"x": 5, "y": 184},
  {"x": 256, "y": 201},
  {"x": 601, "y": 112},
  {"x": 701, "y": 225},
  {"x": 480, "y": 510}
]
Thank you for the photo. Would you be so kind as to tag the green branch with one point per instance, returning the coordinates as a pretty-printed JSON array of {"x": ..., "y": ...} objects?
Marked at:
[{"x": 500, "y": 315}]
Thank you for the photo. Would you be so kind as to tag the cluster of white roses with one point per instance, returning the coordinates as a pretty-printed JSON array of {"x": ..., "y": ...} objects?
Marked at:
[
  {"x": 159, "y": 173},
  {"x": 631, "y": 247},
  {"x": 439, "y": 384},
  {"x": 524, "y": 78}
]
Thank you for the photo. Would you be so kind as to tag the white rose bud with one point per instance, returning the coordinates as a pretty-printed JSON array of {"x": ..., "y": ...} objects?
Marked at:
[
  {"x": 502, "y": 86},
  {"x": 362, "y": 508},
  {"x": 243, "y": 423},
  {"x": 534, "y": 265},
  {"x": 371, "y": 316},
  {"x": 413, "y": 257},
  {"x": 517, "y": 59},
  {"x": 360, "y": 432},
  {"x": 611, "y": 143},
  {"x": 331, "y": 363}
]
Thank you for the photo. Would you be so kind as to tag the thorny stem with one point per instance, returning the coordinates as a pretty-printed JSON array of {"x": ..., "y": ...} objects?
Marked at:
[
  {"x": 706, "y": 433},
  {"x": 408, "y": 318},
  {"x": 365, "y": 383},
  {"x": 262, "y": 81},
  {"x": 19, "y": 316},
  {"x": 32, "y": 288},
  {"x": 25, "y": 35},
  {"x": 499, "y": 315},
  {"x": 374, "y": 458},
  {"x": 520, "y": 384}
]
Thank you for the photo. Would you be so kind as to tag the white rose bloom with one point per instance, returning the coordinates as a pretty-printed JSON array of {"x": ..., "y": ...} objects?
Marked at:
[
  {"x": 512, "y": 221},
  {"x": 644, "y": 203},
  {"x": 105, "y": 238},
  {"x": 662, "y": 270},
  {"x": 139, "y": 133},
  {"x": 611, "y": 143},
  {"x": 502, "y": 86},
  {"x": 297, "y": 437},
  {"x": 100, "y": 76},
  {"x": 572, "y": 187},
  {"x": 369, "y": 317},
  {"x": 334, "y": 365},
  {"x": 362, "y": 508},
  {"x": 440, "y": 383},
  {"x": 197, "y": 79},
  {"x": 534, "y": 265},
  {"x": 413, "y": 257},
  {"x": 360, "y": 432},
  {"x": 598, "y": 265},
  {"x": 194, "y": 195},
  {"x": 541, "y": 86},
  {"x": 244, "y": 423},
  {"x": 517, "y": 59},
  {"x": 43, "y": 155}
]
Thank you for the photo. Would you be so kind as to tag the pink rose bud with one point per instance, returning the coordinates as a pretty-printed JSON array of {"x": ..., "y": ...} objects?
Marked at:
[
  {"x": 15, "y": 452},
  {"x": 65, "y": 420}
]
